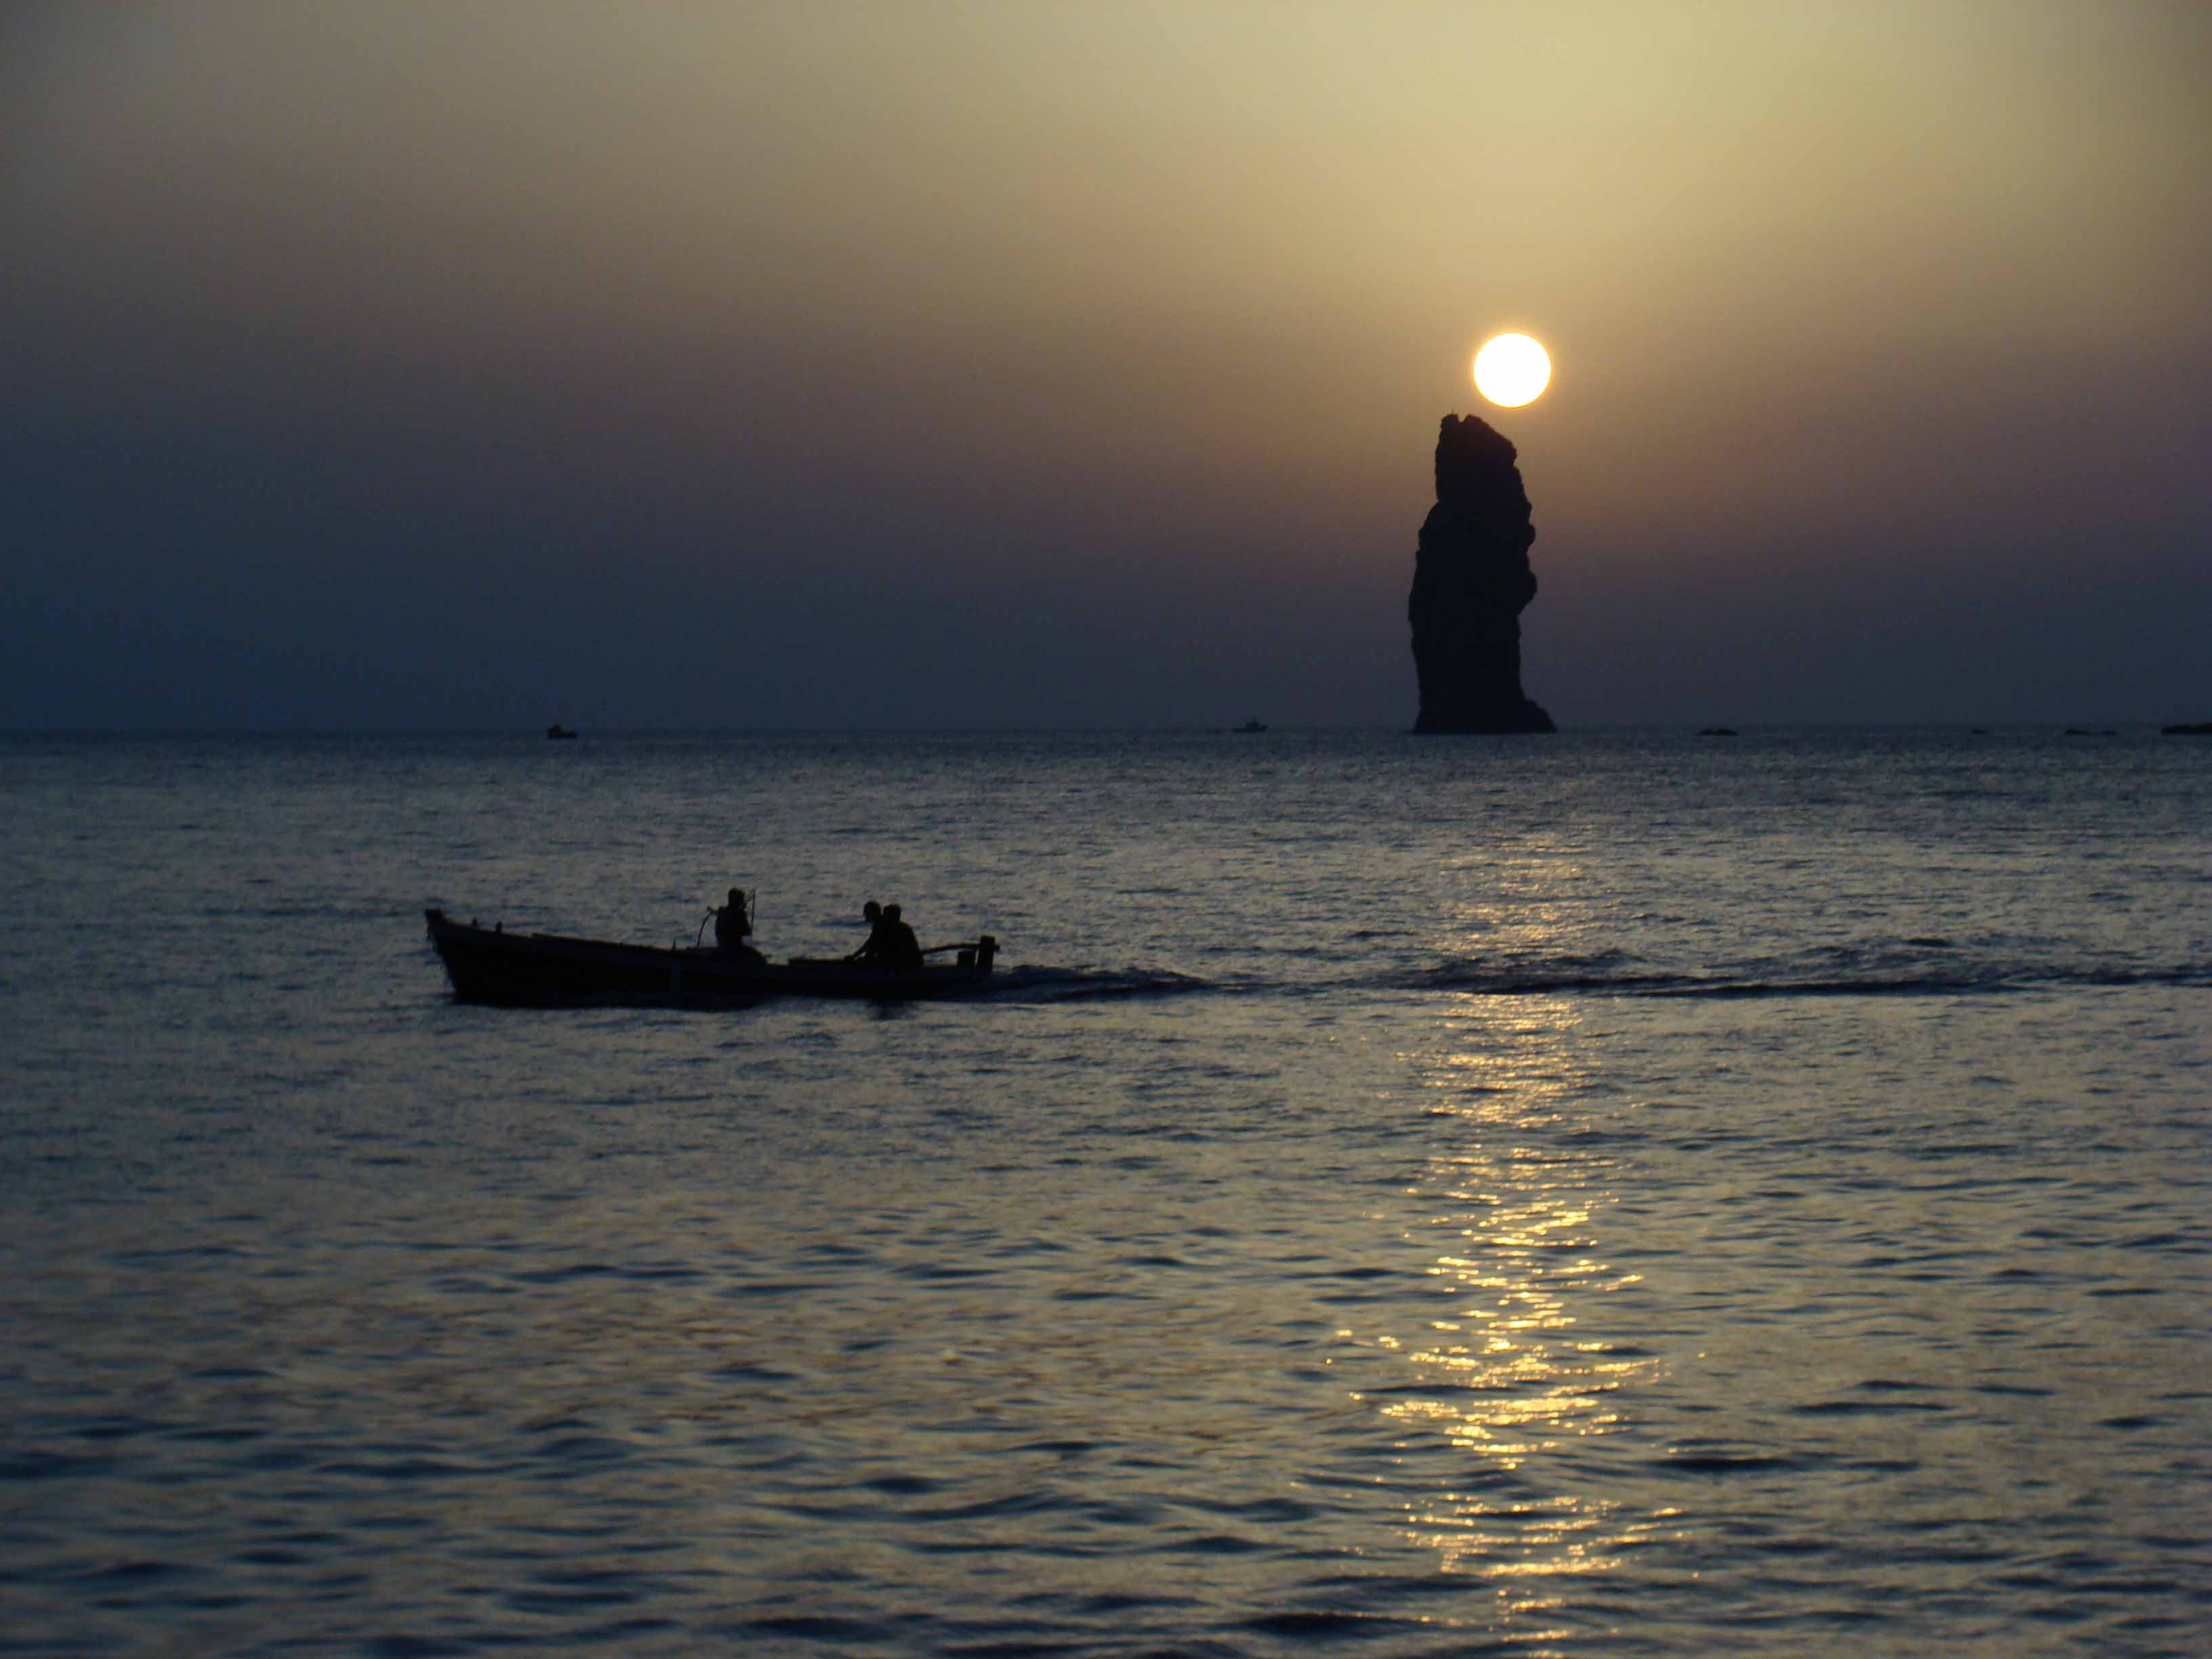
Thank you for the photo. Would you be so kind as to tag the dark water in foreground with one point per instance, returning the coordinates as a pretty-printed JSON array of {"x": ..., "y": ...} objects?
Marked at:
[{"x": 1612, "y": 1194}]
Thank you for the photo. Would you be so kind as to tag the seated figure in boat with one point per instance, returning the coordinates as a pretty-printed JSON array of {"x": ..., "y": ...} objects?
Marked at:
[
  {"x": 900, "y": 949},
  {"x": 891, "y": 943},
  {"x": 731, "y": 924},
  {"x": 879, "y": 934}
]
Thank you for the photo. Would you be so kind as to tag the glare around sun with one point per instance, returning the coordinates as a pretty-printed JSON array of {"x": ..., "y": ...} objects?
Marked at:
[{"x": 1512, "y": 370}]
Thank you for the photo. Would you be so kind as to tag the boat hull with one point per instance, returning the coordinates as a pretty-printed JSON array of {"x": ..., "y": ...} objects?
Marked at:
[{"x": 551, "y": 970}]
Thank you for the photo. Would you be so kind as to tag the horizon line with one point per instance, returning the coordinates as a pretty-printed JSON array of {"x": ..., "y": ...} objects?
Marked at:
[{"x": 2116, "y": 724}]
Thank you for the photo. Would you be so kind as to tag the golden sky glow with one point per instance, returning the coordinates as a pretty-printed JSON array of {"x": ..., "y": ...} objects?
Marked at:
[{"x": 1145, "y": 312}]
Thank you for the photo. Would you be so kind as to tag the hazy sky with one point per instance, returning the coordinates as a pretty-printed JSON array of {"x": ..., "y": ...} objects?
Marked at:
[{"x": 1026, "y": 364}]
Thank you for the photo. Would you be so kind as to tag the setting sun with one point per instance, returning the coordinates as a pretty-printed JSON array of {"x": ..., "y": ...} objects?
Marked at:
[{"x": 1512, "y": 370}]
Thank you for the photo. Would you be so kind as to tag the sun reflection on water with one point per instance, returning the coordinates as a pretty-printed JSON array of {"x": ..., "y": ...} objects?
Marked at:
[{"x": 1514, "y": 1368}]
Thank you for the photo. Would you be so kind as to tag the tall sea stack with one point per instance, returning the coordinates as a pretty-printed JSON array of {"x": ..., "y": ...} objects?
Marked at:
[{"x": 1471, "y": 582}]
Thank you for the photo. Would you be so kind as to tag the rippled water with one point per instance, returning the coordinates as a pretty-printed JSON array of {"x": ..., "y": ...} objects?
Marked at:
[{"x": 1610, "y": 1195}]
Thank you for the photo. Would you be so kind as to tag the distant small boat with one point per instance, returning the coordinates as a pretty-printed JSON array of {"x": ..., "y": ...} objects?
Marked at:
[
  {"x": 558, "y": 731},
  {"x": 2188, "y": 729},
  {"x": 1250, "y": 726},
  {"x": 551, "y": 970},
  {"x": 1716, "y": 730}
]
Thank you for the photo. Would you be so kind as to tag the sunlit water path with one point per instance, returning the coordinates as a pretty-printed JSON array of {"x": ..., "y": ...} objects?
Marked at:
[{"x": 1609, "y": 1195}]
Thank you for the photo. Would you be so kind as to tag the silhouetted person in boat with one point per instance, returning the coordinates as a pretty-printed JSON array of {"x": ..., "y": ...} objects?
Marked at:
[
  {"x": 902, "y": 949},
  {"x": 731, "y": 924},
  {"x": 879, "y": 934}
]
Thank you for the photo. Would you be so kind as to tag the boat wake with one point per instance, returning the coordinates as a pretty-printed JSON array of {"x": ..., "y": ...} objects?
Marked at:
[
  {"x": 1981, "y": 979},
  {"x": 1064, "y": 985},
  {"x": 1609, "y": 974}
]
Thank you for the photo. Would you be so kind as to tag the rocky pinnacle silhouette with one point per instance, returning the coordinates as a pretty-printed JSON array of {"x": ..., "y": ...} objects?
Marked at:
[{"x": 1471, "y": 582}]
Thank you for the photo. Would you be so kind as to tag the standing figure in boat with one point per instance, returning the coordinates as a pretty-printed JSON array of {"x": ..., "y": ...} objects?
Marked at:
[{"x": 732, "y": 922}]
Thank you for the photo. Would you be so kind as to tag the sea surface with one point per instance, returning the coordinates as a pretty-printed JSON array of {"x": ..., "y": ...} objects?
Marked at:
[{"x": 1621, "y": 1193}]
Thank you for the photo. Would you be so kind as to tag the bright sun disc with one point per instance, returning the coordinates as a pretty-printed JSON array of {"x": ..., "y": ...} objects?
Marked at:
[{"x": 1512, "y": 370}]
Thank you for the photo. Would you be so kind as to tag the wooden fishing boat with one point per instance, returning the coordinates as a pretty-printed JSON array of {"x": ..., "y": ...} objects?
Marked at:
[{"x": 552, "y": 970}]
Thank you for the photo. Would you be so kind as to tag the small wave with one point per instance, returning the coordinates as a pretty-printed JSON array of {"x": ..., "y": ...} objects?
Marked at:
[{"x": 1730, "y": 1462}]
